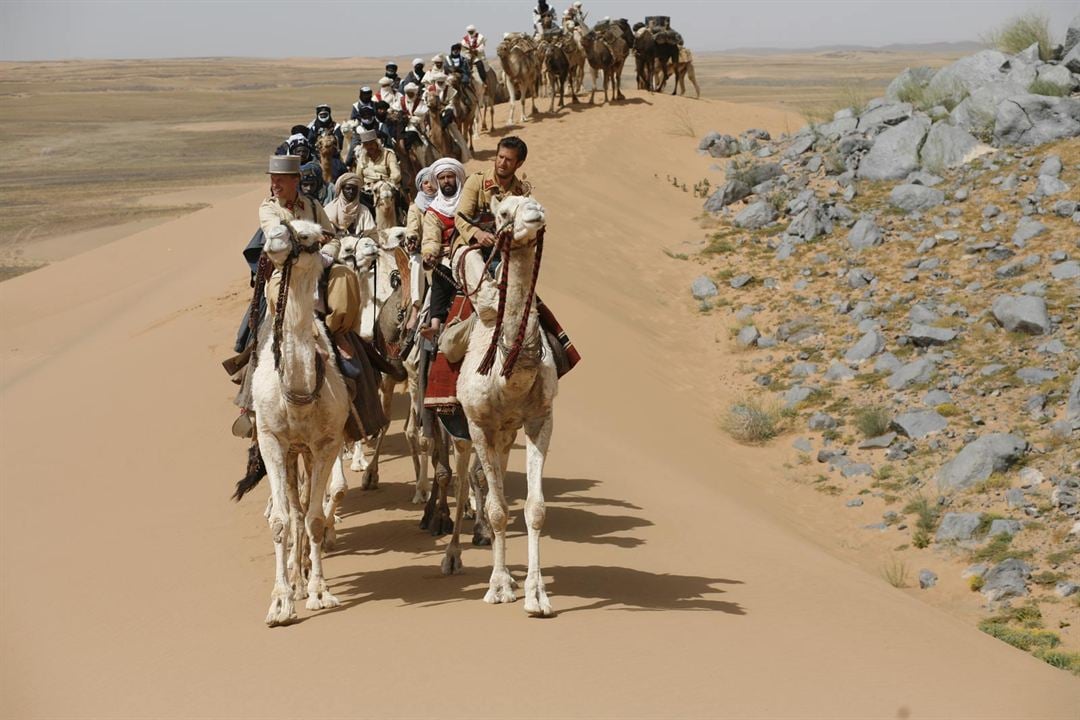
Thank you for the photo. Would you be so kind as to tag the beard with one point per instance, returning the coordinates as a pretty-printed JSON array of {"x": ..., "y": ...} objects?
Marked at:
[{"x": 448, "y": 190}]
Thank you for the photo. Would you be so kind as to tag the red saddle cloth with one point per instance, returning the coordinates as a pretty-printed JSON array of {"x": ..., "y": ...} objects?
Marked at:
[{"x": 441, "y": 391}]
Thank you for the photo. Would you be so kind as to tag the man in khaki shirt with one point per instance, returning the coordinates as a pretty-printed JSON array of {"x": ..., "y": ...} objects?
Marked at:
[{"x": 474, "y": 221}]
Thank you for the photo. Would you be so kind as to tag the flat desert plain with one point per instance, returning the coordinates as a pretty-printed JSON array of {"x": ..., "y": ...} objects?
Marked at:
[{"x": 688, "y": 578}]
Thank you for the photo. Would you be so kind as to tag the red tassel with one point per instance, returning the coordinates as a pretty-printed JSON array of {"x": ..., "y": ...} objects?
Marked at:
[{"x": 519, "y": 341}]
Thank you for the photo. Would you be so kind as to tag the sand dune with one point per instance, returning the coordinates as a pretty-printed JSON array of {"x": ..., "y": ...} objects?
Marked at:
[{"x": 132, "y": 587}]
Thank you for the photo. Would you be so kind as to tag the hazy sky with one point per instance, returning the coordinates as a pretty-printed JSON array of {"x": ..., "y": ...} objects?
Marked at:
[{"x": 61, "y": 29}]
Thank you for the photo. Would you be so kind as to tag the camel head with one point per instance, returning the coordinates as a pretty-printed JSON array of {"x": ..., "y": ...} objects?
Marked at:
[
  {"x": 392, "y": 238},
  {"x": 357, "y": 253},
  {"x": 302, "y": 241},
  {"x": 326, "y": 145},
  {"x": 348, "y": 128},
  {"x": 383, "y": 190},
  {"x": 521, "y": 213}
]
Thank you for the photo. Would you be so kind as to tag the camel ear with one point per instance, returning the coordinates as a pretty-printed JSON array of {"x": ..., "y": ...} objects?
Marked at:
[{"x": 495, "y": 206}]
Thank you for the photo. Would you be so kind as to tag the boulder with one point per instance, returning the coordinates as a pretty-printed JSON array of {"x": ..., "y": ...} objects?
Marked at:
[
  {"x": 885, "y": 114},
  {"x": 822, "y": 421},
  {"x": 811, "y": 222},
  {"x": 927, "y": 579},
  {"x": 910, "y": 198},
  {"x": 967, "y": 74},
  {"x": 957, "y": 526},
  {"x": 1071, "y": 61},
  {"x": 979, "y": 459},
  {"x": 976, "y": 112},
  {"x": 1023, "y": 313},
  {"x": 747, "y": 336},
  {"x": 1007, "y": 579},
  {"x": 839, "y": 372},
  {"x": 915, "y": 372},
  {"x": 1034, "y": 375},
  {"x": 1035, "y": 119},
  {"x": 1003, "y": 526},
  {"x": 911, "y": 79},
  {"x": 867, "y": 347},
  {"x": 717, "y": 145},
  {"x": 730, "y": 192},
  {"x": 926, "y": 335},
  {"x": 1027, "y": 229},
  {"x": 837, "y": 128},
  {"x": 1057, "y": 75},
  {"x": 703, "y": 288},
  {"x": 1066, "y": 270},
  {"x": 800, "y": 145},
  {"x": 895, "y": 152},
  {"x": 864, "y": 234},
  {"x": 756, "y": 215},
  {"x": 755, "y": 174},
  {"x": 1049, "y": 186},
  {"x": 947, "y": 146},
  {"x": 1072, "y": 408},
  {"x": 917, "y": 424},
  {"x": 1072, "y": 34}
]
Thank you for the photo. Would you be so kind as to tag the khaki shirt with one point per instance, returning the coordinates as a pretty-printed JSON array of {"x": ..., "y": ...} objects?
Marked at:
[
  {"x": 384, "y": 167},
  {"x": 476, "y": 196},
  {"x": 432, "y": 234},
  {"x": 414, "y": 222}
]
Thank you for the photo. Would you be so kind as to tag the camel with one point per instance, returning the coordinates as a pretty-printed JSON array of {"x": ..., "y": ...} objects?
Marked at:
[
  {"x": 606, "y": 48},
  {"x": 556, "y": 63},
  {"x": 446, "y": 138},
  {"x": 328, "y": 151},
  {"x": 487, "y": 98},
  {"x": 382, "y": 193},
  {"x": 518, "y": 59},
  {"x": 668, "y": 44},
  {"x": 575, "y": 53},
  {"x": 684, "y": 69},
  {"x": 644, "y": 56},
  {"x": 301, "y": 406},
  {"x": 508, "y": 381},
  {"x": 464, "y": 103}
]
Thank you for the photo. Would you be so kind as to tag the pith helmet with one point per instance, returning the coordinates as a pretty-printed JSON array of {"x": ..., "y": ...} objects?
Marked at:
[{"x": 284, "y": 165}]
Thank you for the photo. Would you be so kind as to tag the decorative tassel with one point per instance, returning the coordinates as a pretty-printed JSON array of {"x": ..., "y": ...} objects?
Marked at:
[
  {"x": 504, "y": 279},
  {"x": 519, "y": 341}
]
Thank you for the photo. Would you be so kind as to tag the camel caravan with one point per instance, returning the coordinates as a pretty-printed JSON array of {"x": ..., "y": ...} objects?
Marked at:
[{"x": 380, "y": 266}]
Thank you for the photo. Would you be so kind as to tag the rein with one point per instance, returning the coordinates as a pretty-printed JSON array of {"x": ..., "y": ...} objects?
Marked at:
[{"x": 505, "y": 237}]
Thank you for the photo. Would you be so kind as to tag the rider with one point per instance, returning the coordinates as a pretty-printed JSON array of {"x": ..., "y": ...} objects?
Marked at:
[
  {"x": 473, "y": 44},
  {"x": 386, "y": 129},
  {"x": 313, "y": 185},
  {"x": 347, "y": 213},
  {"x": 324, "y": 123},
  {"x": 414, "y": 100},
  {"x": 391, "y": 72},
  {"x": 300, "y": 146},
  {"x": 416, "y": 75},
  {"x": 540, "y": 12},
  {"x": 366, "y": 120},
  {"x": 576, "y": 13},
  {"x": 425, "y": 193},
  {"x": 436, "y": 69},
  {"x": 456, "y": 62},
  {"x": 474, "y": 220},
  {"x": 364, "y": 101},
  {"x": 375, "y": 163},
  {"x": 283, "y": 148},
  {"x": 438, "y": 236},
  {"x": 388, "y": 92}
]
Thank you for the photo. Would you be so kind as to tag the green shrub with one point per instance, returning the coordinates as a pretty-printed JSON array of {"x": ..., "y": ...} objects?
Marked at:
[
  {"x": 1020, "y": 637},
  {"x": 1044, "y": 87},
  {"x": 1060, "y": 659},
  {"x": 1020, "y": 33},
  {"x": 873, "y": 420}
]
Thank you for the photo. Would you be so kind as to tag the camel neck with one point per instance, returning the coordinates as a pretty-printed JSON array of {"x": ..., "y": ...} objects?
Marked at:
[
  {"x": 298, "y": 327},
  {"x": 519, "y": 283}
]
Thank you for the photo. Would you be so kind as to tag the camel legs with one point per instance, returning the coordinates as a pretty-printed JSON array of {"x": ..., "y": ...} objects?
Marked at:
[
  {"x": 493, "y": 450},
  {"x": 334, "y": 496},
  {"x": 513, "y": 99},
  {"x": 436, "y": 518},
  {"x": 451, "y": 563},
  {"x": 537, "y": 438},
  {"x": 318, "y": 596},
  {"x": 370, "y": 479},
  {"x": 359, "y": 461},
  {"x": 478, "y": 484},
  {"x": 281, "y": 602},
  {"x": 419, "y": 448}
]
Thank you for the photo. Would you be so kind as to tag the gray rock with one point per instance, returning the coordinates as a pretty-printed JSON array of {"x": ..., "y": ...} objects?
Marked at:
[
  {"x": 740, "y": 280},
  {"x": 1010, "y": 270},
  {"x": 1050, "y": 186},
  {"x": 917, "y": 424},
  {"x": 718, "y": 146},
  {"x": 1027, "y": 229},
  {"x": 922, "y": 315},
  {"x": 927, "y": 579},
  {"x": 747, "y": 336},
  {"x": 895, "y": 152},
  {"x": 979, "y": 459},
  {"x": 908, "y": 80},
  {"x": 1071, "y": 61},
  {"x": 1003, "y": 526},
  {"x": 1034, "y": 287},
  {"x": 967, "y": 74},
  {"x": 1072, "y": 35},
  {"x": 1014, "y": 498},
  {"x": 1007, "y": 579},
  {"x": 925, "y": 335},
  {"x": 1056, "y": 75},
  {"x": 976, "y": 112},
  {"x": 887, "y": 363},
  {"x": 885, "y": 114},
  {"x": 803, "y": 369},
  {"x": 1065, "y": 208},
  {"x": 728, "y": 193},
  {"x": 1072, "y": 408},
  {"x": 976, "y": 570},
  {"x": 946, "y": 146},
  {"x": 1036, "y": 119},
  {"x": 854, "y": 502},
  {"x": 811, "y": 222},
  {"x": 957, "y": 526},
  {"x": 867, "y": 347},
  {"x": 1035, "y": 376},
  {"x": 1024, "y": 313},
  {"x": 1053, "y": 347},
  {"x": 936, "y": 397},
  {"x": 1066, "y": 270},
  {"x": 859, "y": 278},
  {"x": 822, "y": 421},
  {"x": 913, "y": 373},
  {"x": 703, "y": 288},
  {"x": 840, "y": 126},
  {"x": 991, "y": 369},
  {"x": 1065, "y": 588},
  {"x": 756, "y": 174},
  {"x": 756, "y": 215},
  {"x": 797, "y": 394},
  {"x": 910, "y": 198},
  {"x": 864, "y": 234},
  {"x": 802, "y": 445},
  {"x": 857, "y": 470},
  {"x": 839, "y": 372},
  {"x": 1035, "y": 405},
  {"x": 878, "y": 443},
  {"x": 1051, "y": 166},
  {"x": 800, "y": 145}
]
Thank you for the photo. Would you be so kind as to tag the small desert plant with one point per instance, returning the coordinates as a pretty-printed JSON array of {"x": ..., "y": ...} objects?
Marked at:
[
  {"x": 999, "y": 549},
  {"x": 684, "y": 124},
  {"x": 873, "y": 421},
  {"x": 1020, "y": 33},
  {"x": 1020, "y": 637},
  {"x": 976, "y": 583},
  {"x": 753, "y": 421},
  {"x": 927, "y": 517},
  {"x": 895, "y": 572},
  {"x": 1044, "y": 87},
  {"x": 1060, "y": 659}
]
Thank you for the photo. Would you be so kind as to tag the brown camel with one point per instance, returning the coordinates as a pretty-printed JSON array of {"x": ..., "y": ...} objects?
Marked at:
[
  {"x": 518, "y": 57},
  {"x": 557, "y": 67},
  {"x": 606, "y": 48}
]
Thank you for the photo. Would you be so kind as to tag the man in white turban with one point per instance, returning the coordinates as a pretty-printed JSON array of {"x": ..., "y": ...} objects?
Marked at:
[{"x": 438, "y": 234}]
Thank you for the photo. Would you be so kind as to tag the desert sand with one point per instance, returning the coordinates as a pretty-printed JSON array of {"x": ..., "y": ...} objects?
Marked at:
[{"x": 686, "y": 582}]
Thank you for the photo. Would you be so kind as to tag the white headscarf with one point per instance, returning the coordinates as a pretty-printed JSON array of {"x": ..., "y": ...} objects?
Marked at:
[
  {"x": 446, "y": 206},
  {"x": 423, "y": 199}
]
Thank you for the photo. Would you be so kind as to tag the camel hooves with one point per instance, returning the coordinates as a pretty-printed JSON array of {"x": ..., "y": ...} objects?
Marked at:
[
  {"x": 479, "y": 539},
  {"x": 452, "y": 565},
  {"x": 370, "y": 481}
]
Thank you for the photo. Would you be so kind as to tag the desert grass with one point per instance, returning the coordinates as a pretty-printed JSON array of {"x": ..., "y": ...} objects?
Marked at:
[
  {"x": 753, "y": 421},
  {"x": 896, "y": 573},
  {"x": 1020, "y": 33},
  {"x": 1045, "y": 87},
  {"x": 873, "y": 420}
]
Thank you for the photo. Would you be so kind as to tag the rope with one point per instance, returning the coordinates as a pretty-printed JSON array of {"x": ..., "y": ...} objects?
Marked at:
[
  {"x": 519, "y": 340},
  {"x": 504, "y": 279}
]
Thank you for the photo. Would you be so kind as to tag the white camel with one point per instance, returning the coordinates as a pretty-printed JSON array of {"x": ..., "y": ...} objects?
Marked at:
[
  {"x": 508, "y": 381},
  {"x": 385, "y": 200},
  {"x": 301, "y": 406}
]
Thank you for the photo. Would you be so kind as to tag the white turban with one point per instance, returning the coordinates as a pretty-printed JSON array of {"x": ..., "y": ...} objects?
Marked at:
[
  {"x": 422, "y": 198},
  {"x": 447, "y": 206}
]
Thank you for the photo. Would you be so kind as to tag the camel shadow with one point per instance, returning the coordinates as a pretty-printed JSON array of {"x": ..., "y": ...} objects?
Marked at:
[{"x": 608, "y": 588}]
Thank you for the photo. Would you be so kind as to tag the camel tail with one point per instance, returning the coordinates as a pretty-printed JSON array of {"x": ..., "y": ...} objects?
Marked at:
[{"x": 256, "y": 469}]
